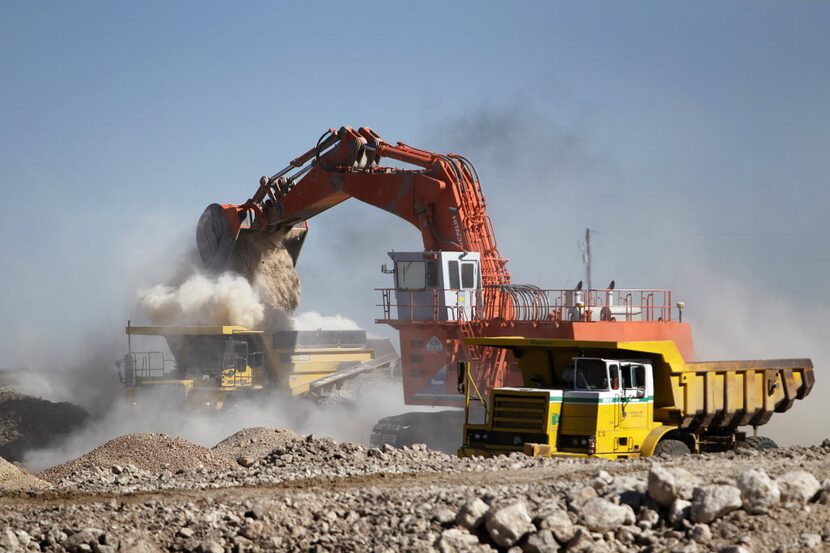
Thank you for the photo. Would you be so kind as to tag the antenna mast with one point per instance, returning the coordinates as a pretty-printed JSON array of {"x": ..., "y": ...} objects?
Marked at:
[{"x": 588, "y": 258}]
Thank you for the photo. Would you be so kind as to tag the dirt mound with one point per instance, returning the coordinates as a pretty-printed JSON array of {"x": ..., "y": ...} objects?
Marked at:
[
  {"x": 150, "y": 452},
  {"x": 28, "y": 422},
  {"x": 14, "y": 478},
  {"x": 254, "y": 443}
]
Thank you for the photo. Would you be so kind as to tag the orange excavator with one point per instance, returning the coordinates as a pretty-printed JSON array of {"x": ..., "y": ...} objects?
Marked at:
[{"x": 458, "y": 287}]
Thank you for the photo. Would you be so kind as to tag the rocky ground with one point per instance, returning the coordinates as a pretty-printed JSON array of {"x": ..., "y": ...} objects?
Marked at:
[{"x": 271, "y": 490}]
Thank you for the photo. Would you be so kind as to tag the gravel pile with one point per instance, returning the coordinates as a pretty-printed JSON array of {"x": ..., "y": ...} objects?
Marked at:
[
  {"x": 252, "y": 444},
  {"x": 13, "y": 478},
  {"x": 150, "y": 453},
  {"x": 28, "y": 422}
]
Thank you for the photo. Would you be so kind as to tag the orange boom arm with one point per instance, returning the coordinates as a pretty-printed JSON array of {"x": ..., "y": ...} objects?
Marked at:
[{"x": 442, "y": 198}]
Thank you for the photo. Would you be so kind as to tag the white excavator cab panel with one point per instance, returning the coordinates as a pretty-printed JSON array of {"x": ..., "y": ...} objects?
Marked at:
[{"x": 436, "y": 285}]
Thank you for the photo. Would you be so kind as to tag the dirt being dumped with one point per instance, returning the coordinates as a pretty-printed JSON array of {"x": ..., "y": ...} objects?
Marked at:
[
  {"x": 260, "y": 287},
  {"x": 28, "y": 422},
  {"x": 264, "y": 261}
]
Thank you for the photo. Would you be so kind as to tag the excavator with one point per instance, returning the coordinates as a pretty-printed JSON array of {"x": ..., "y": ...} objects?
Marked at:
[{"x": 457, "y": 289}]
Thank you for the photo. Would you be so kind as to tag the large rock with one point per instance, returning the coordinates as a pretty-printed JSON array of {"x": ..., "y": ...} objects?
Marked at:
[
  {"x": 700, "y": 533},
  {"x": 9, "y": 541},
  {"x": 679, "y": 511},
  {"x": 797, "y": 487},
  {"x": 600, "y": 515},
  {"x": 712, "y": 502},
  {"x": 578, "y": 496},
  {"x": 582, "y": 541},
  {"x": 759, "y": 492},
  {"x": 824, "y": 492},
  {"x": 472, "y": 514},
  {"x": 507, "y": 525},
  {"x": 630, "y": 489},
  {"x": 542, "y": 541},
  {"x": 809, "y": 541},
  {"x": 456, "y": 540},
  {"x": 665, "y": 485},
  {"x": 87, "y": 536},
  {"x": 558, "y": 522}
]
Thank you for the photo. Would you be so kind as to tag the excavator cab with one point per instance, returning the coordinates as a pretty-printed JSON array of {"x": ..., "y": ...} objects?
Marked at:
[{"x": 436, "y": 285}]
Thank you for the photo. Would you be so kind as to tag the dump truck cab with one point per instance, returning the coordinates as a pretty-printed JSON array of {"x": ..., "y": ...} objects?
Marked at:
[
  {"x": 624, "y": 399},
  {"x": 592, "y": 406}
]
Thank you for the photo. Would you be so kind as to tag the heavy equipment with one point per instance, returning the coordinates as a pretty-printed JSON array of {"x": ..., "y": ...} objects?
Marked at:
[
  {"x": 213, "y": 366},
  {"x": 457, "y": 287},
  {"x": 622, "y": 399}
]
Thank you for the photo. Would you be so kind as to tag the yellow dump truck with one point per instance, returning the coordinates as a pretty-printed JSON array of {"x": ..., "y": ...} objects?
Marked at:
[
  {"x": 626, "y": 399},
  {"x": 211, "y": 366}
]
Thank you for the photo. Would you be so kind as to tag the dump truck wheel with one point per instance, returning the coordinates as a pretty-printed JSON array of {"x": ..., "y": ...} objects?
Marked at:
[
  {"x": 672, "y": 448},
  {"x": 760, "y": 442}
]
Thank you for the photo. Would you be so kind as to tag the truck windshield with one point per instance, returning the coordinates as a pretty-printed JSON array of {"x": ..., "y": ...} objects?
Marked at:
[{"x": 590, "y": 374}]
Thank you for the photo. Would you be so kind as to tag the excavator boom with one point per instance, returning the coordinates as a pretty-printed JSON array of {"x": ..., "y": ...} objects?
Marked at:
[{"x": 441, "y": 197}]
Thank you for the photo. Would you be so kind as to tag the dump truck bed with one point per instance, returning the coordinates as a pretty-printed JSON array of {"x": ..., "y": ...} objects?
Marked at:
[{"x": 729, "y": 394}]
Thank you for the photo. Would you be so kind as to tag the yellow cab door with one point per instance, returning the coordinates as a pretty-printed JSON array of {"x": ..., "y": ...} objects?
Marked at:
[{"x": 633, "y": 408}]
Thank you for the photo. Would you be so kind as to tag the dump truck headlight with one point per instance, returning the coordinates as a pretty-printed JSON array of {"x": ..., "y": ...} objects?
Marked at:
[{"x": 592, "y": 445}]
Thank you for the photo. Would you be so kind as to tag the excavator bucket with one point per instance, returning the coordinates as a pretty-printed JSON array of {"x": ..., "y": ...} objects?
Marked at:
[
  {"x": 216, "y": 234},
  {"x": 294, "y": 240},
  {"x": 221, "y": 227}
]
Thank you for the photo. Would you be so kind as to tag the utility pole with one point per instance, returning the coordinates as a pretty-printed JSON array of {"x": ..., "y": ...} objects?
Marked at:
[{"x": 588, "y": 258}]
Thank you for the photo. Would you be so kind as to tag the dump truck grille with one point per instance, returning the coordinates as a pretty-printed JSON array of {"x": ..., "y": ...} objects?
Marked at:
[{"x": 514, "y": 413}]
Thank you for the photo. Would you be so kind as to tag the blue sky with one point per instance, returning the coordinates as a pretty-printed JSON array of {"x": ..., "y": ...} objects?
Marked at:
[{"x": 693, "y": 138}]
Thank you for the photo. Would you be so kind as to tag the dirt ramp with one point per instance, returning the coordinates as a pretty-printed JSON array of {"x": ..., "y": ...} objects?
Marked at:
[
  {"x": 150, "y": 452},
  {"x": 28, "y": 422}
]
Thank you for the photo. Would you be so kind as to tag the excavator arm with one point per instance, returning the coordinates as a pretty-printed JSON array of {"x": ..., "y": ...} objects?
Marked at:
[{"x": 441, "y": 197}]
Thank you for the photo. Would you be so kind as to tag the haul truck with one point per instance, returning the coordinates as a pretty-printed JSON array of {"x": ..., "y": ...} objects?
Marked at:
[
  {"x": 211, "y": 366},
  {"x": 626, "y": 399}
]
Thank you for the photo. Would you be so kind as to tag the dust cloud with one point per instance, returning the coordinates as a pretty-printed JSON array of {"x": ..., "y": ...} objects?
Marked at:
[
  {"x": 202, "y": 299},
  {"x": 312, "y": 320},
  {"x": 347, "y": 417},
  {"x": 261, "y": 287}
]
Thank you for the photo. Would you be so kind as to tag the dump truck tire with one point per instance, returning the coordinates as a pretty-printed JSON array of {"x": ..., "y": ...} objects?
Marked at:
[
  {"x": 760, "y": 442},
  {"x": 672, "y": 448}
]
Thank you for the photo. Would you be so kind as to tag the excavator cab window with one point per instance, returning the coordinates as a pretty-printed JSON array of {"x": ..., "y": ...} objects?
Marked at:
[
  {"x": 468, "y": 271},
  {"x": 455, "y": 282},
  {"x": 416, "y": 275}
]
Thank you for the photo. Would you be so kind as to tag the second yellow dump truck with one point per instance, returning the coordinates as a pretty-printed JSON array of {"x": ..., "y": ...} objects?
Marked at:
[
  {"x": 209, "y": 367},
  {"x": 626, "y": 399}
]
